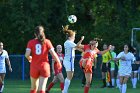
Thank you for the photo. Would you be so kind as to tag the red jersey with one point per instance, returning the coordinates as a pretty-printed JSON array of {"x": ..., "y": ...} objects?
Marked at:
[
  {"x": 88, "y": 53},
  {"x": 39, "y": 52}
]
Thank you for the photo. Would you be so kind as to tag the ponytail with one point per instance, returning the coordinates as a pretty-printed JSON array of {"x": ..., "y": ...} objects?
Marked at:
[
  {"x": 67, "y": 31},
  {"x": 39, "y": 32}
]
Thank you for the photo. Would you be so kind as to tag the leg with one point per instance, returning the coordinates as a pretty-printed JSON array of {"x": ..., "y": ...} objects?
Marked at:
[
  {"x": 67, "y": 81},
  {"x": 121, "y": 83},
  {"x": 83, "y": 79},
  {"x": 92, "y": 75},
  {"x": 135, "y": 79},
  {"x": 118, "y": 81},
  {"x": 104, "y": 79},
  {"x": 42, "y": 84},
  {"x": 55, "y": 79},
  {"x": 112, "y": 77},
  {"x": 34, "y": 84},
  {"x": 61, "y": 78},
  {"x": 88, "y": 82},
  {"x": 2, "y": 76},
  {"x": 124, "y": 87}
]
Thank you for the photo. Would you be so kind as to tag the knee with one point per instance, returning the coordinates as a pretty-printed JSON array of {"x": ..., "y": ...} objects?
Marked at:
[
  {"x": 88, "y": 83},
  {"x": 33, "y": 87}
]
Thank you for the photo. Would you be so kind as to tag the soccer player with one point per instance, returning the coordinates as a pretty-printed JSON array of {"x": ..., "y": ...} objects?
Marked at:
[
  {"x": 112, "y": 67},
  {"x": 3, "y": 57},
  {"x": 106, "y": 58},
  {"x": 93, "y": 67},
  {"x": 90, "y": 51},
  {"x": 68, "y": 62},
  {"x": 135, "y": 66},
  {"x": 125, "y": 69},
  {"x": 37, "y": 54},
  {"x": 57, "y": 72}
]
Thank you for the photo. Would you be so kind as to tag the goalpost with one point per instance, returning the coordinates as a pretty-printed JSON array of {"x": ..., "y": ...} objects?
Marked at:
[{"x": 133, "y": 39}]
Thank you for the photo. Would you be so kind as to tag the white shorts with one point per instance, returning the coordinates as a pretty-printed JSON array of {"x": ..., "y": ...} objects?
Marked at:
[
  {"x": 2, "y": 70},
  {"x": 125, "y": 72},
  {"x": 69, "y": 66}
]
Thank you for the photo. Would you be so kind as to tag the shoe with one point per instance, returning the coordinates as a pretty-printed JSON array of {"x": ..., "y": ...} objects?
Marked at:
[
  {"x": 117, "y": 87},
  {"x": 110, "y": 86},
  {"x": 103, "y": 86},
  {"x": 134, "y": 86},
  {"x": 47, "y": 91},
  {"x": 83, "y": 85}
]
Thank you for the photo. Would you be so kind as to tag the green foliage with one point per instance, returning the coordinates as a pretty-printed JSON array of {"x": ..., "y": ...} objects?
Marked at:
[{"x": 111, "y": 20}]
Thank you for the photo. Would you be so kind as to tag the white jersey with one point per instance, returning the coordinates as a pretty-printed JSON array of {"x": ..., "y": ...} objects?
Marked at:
[
  {"x": 3, "y": 56},
  {"x": 125, "y": 65},
  {"x": 69, "y": 55}
]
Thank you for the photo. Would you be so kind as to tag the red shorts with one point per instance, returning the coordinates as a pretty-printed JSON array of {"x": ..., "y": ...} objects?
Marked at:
[
  {"x": 57, "y": 71},
  {"x": 42, "y": 69},
  {"x": 88, "y": 66}
]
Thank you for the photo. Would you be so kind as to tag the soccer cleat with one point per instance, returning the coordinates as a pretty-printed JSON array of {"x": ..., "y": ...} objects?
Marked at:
[
  {"x": 83, "y": 85},
  {"x": 110, "y": 86},
  {"x": 103, "y": 86},
  {"x": 47, "y": 91}
]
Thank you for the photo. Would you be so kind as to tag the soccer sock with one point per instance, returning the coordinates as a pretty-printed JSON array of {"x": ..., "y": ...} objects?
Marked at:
[
  {"x": 104, "y": 82},
  {"x": 61, "y": 85},
  {"x": 120, "y": 88},
  {"x": 118, "y": 82},
  {"x": 41, "y": 91},
  {"x": 132, "y": 79},
  {"x": 2, "y": 88},
  {"x": 135, "y": 82},
  {"x": 113, "y": 82},
  {"x": 32, "y": 91},
  {"x": 86, "y": 89},
  {"x": 124, "y": 87},
  {"x": 66, "y": 85},
  {"x": 50, "y": 86}
]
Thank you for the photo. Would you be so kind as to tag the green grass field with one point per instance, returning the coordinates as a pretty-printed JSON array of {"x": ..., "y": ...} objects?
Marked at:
[{"x": 18, "y": 86}]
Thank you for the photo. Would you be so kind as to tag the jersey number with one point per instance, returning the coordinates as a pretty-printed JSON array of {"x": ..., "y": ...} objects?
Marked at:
[{"x": 38, "y": 49}]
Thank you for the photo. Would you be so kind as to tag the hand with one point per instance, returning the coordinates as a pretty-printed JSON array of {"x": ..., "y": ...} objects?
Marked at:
[
  {"x": 123, "y": 58},
  {"x": 82, "y": 38},
  {"x": 10, "y": 69},
  {"x": 30, "y": 59}
]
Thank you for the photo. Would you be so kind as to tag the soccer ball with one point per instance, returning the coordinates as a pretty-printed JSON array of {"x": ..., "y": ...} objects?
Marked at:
[{"x": 72, "y": 18}]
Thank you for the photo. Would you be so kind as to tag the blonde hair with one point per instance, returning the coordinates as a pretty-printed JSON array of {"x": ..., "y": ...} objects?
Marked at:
[{"x": 67, "y": 31}]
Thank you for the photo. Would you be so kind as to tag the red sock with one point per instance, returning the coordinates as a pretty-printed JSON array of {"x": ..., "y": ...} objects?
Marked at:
[
  {"x": 50, "y": 86},
  {"x": 32, "y": 91},
  {"x": 86, "y": 89},
  {"x": 61, "y": 85},
  {"x": 41, "y": 91}
]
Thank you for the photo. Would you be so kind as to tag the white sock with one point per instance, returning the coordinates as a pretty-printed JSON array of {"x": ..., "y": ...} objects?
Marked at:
[
  {"x": 124, "y": 87},
  {"x": 120, "y": 88},
  {"x": 108, "y": 84},
  {"x": 2, "y": 87},
  {"x": 66, "y": 85},
  {"x": 113, "y": 81},
  {"x": 132, "y": 79},
  {"x": 135, "y": 83},
  {"x": 118, "y": 82}
]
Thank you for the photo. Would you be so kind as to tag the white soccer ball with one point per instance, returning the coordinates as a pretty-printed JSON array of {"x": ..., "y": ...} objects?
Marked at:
[{"x": 72, "y": 18}]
